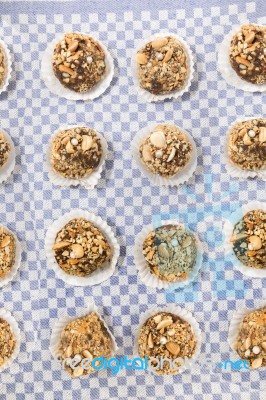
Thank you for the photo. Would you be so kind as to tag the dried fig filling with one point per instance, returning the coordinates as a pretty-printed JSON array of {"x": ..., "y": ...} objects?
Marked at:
[
  {"x": 78, "y": 62},
  {"x": 249, "y": 239},
  {"x": 165, "y": 151},
  {"x": 247, "y": 144},
  {"x": 162, "y": 65},
  {"x": 170, "y": 252},
  {"x": 166, "y": 335},
  {"x": 251, "y": 339},
  {"x": 80, "y": 248},
  {"x": 247, "y": 53}
]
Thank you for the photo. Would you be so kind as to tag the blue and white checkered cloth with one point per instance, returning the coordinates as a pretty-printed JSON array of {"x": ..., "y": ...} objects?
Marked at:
[{"x": 126, "y": 199}]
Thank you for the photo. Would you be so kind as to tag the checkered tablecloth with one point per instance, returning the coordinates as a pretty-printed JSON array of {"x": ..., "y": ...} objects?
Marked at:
[{"x": 126, "y": 199}]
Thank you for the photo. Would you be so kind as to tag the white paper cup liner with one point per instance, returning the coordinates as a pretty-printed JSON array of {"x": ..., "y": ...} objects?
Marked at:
[
  {"x": 150, "y": 97},
  {"x": 181, "y": 313},
  {"x": 229, "y": 225},
  {"x": 63, "y": 321},
  {"x": 151, "y": 280},
  {"x": 102, "y": 273},
  {"x": 7, "y": 169},
  {"x": 233, "y": 169},
  {"x": 90, "y": 181},
  {"x": 14, "y": 269},
  {"x": 54, "y": 85},
  {"x": 8, "y": 63},
  {"x": 6, "y": 315},
  {"x": 236, "y": 320},
  {"x": 181, "y": 177},
  {"x": 227, "y": 71}
]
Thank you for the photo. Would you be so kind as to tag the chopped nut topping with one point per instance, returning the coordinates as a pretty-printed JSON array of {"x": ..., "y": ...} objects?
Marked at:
[
  {"x": 162, "y": 65},
  {"x": 83, "y": 338},
  {"x": 247, "y": 53},
  {"x": 170, "y": 252},
  {"x": 165, "y": 151},
  {"x": 7, "y": 251},
  {"x": 78, "y": 62},
  {"x": 76, "y": 152},
  {"x": 80, "y": 248},
  {"x": 247, "y": 144},
  {"x": 176, "y": 341},
  {"x": 7, "y": 341},
  {"x": 251, "y": 339},
  {"x": 5, "y": 147},
  {"x": 249, "y": 239},
  {"x": 3, "y": 70}
]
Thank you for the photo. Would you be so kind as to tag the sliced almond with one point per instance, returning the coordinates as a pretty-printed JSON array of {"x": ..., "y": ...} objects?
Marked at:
[
  {"x": 73, "y": 261},
  {"x": 247, "y": 343},
  {"x": 5, "y": 241},
  {"x": 157, "y": 318},
  {"x": 86, "y": 142},
  {"x": 255, "y": 242},
  {"x": 69, "y": 148},
  {"x": 150, "y": 341},
  {"x": 64, "y": 68},
  {"x": 173, "y": 347},
  {"x": 186, "y": 242},
  {"x": 160, "y": 42},
  {"x": 87, "y": 354},
  {"x": 262, "y": 135},
  {"x": 250, "y": 37},
  {"x": 61, "y": 245},
  {"x": 65, "y": 140},
  {"x": 158, "y": 139},
  {"x": 256, "y": 363},
  {"x": 162, "y": 250},
  {"x": 243, "y": 61},
  {"x": 164, "y": 323},
  {"x": 246, "y": 139},
  {"x": 171, "y": 332},
  {"x": 141, "y": 58},
  {"x": 263, "y": 345},
  {"x": 147, "y": 153},
  {"x": 73, "y": 46},
  {"x": 77, "y": 250},
  {"x": 171, "y": 155},
  {"x": 78, "y": 372},
  {"x": 68, "y": 351},
  {"x": 242, "y": 132},
  {"x": 168, "y": 55}
]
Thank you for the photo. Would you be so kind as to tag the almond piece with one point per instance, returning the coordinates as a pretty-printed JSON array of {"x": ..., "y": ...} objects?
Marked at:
[
  {"x": 77, "y": 250},
  {"x": 186, "y": 242},
  {"x": 256, "y": 363},
  {"x": 150, "y": 341},
  {"x": 61, "y": 245},
  {"x": 5, "y": 241},
  {"x": 173, "y": 348},
  {"x": 73, "y": 46},
  {"x": 247, "y": 140},
  {"x": 241, "y": 60},
  {"x": 78, "y": 372},
  {"x": 69, "y": 148},
  {"x": 250, "y": 37},
  {"x": 168, "y": 55},
  {"x": 247, "y": 343},
  {"x": 87, "y": 354},
  {"x": 262, "y": 135},
  {"x": 171, "y": 155},
  {"x": 73, "y": 261},
  {"x": 164, "y": 323},
  {"x": 68, "y": 351},
  {"x": 255, "y": 242},
  {"x": 157, "y": 318},
  {"x": 68, "y": 70},
  {"x": 141, "y": 58},
  {"x": 146, "y": 153},
  {"x": 158, "y": 139},
  {"x": 86, "y": 142},
  {"x": 160, "y": 42}
]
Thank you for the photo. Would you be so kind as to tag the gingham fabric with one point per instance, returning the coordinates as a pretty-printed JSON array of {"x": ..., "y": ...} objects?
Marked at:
[{"x": 123, "y": 197}]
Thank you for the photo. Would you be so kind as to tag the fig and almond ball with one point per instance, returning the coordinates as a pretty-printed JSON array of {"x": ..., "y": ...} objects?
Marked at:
[
  {"x": 170, "y": 252},
  {"x": 3, "y": 68},
  {"x": 7, "y": 251},
  {"x": 5, "y": 149},
  {"x": 168, "y": 336},
  {"x": 162, "y": 65},
  {"x": 7, "y": 342},
  {"x": 251, "y": 340},
  {"x": 76, "y": 152},
  {"x": 249, "y": 239},
  {"x": 165, "y": 151},
  {"x": 80, "y": 248},
  {"x": 247, "y": 53},
  {"x": 247, "y": 144},
  {"x": 78, "y": 62},
  {"x": 84, "y": 339}
]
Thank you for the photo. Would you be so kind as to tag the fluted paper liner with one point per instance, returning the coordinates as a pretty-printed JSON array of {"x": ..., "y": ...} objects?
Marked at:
[
  {"x": 150, "y": 97},
  {"x": 6, "y": 315},
  {"x": 181, "y": 313},
  {"x": 102, "y": 273},
  {"x": 236, "y": 320},
  {"x": 151, "y": 280},
  {"x": 233, "y": 169},
  {"x": 64, "y": 320},
  {"x": 8, "y": 65},
  {"x": 227, "y": 71},
  {"x": 7, "y": 169},
  {"x": 181, "y": 177},
  {"x": 14, "y": 269},
  {"x": 89, "y": 181},
  {"x": 54, "y": 85},
  {"x": 229, "y": 225}
]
